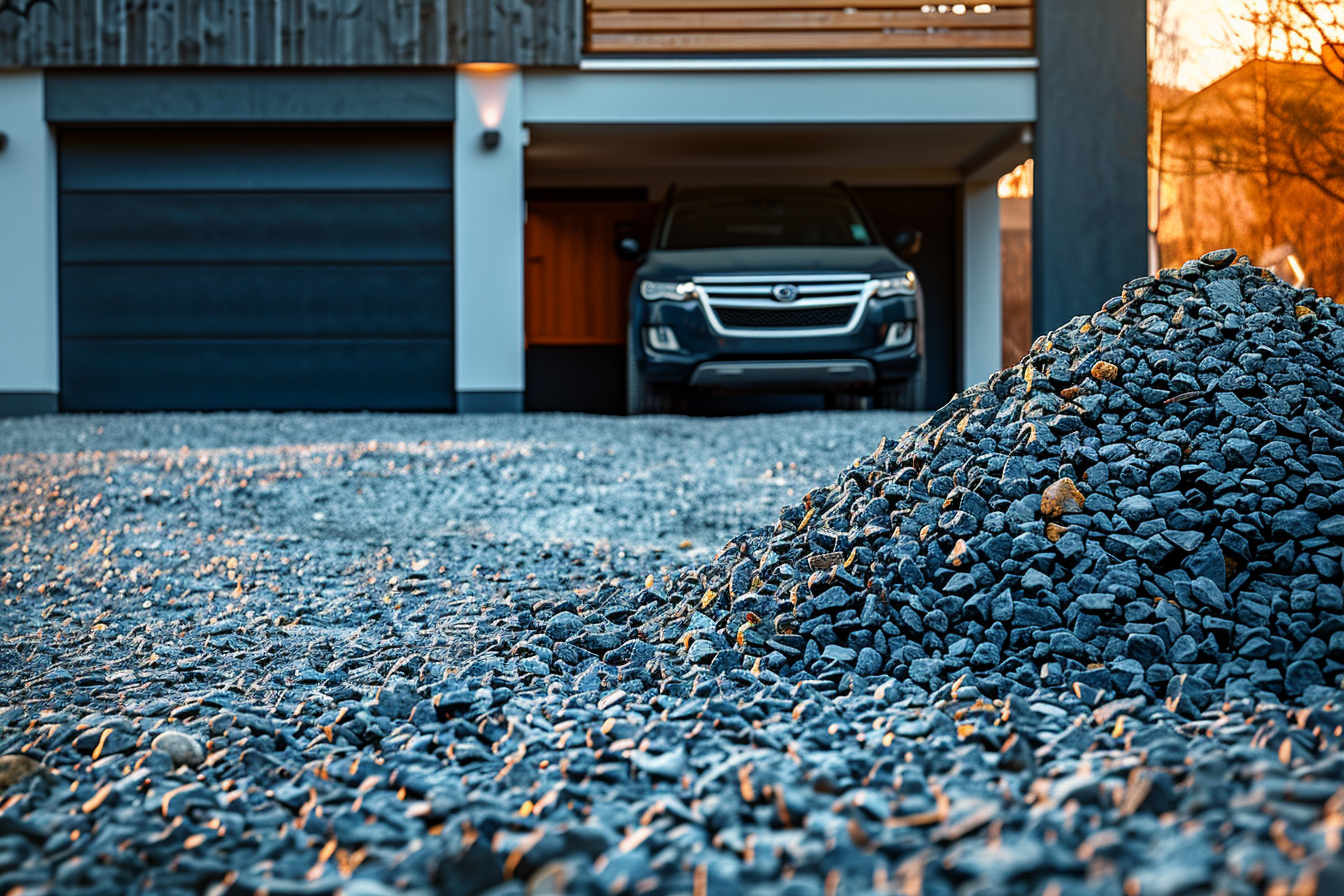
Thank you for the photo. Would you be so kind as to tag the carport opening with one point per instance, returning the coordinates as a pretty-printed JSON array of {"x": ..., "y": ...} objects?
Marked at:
[
  {"x": 590, "y": 184},
  {"x": 576, "y": 291}
]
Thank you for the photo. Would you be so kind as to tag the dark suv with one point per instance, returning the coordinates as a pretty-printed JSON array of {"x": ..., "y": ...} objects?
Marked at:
[{"x": 773, "y": 288}]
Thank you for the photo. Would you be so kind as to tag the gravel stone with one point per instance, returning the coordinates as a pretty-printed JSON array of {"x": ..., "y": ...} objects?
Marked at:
[{"x": 182, "y": 749}]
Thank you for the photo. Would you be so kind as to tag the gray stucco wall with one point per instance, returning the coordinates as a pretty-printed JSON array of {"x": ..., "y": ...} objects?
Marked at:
[
  {"x": 1089, "y": 212},
  {"x": 250, "y": 96}
]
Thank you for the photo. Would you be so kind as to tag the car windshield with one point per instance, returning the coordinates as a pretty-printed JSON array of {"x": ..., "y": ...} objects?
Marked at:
[{"x": 725, "y": 222}]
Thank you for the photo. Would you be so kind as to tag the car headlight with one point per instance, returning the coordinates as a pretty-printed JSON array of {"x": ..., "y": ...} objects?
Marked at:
[
  {"x": 654, "y": 290},
  {"x": 898, "y": 285}
]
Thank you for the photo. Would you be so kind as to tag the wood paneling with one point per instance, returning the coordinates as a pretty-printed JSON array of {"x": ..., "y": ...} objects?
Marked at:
[
  {"x": 789, "y": 26},
  {"x": 789, "y": 20},
  {"x": 576, "y": 287},
  {"x": 783, "y": 4},
  {"x": 37, "y": 33}
]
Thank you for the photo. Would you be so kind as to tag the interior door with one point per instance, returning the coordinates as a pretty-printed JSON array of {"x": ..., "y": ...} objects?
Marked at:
[{"x": 575, "y": 295}]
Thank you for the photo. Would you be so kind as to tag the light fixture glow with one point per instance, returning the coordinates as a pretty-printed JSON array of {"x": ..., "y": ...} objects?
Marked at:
[{"x": 489, "y": 82}]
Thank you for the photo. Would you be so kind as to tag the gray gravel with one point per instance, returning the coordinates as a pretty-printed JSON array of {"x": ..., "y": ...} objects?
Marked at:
[
  {"x": 217, "y": 634},
  {"x": 644, "y": 483}
]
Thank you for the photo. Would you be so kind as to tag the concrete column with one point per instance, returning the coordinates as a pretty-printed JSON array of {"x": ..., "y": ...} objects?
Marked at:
[
  {"x": 982, "y": 284},
  {"x": 488, "y": 238},
  {"x": 1090, "y": 202},
  {"x": 29, "y": 330}
]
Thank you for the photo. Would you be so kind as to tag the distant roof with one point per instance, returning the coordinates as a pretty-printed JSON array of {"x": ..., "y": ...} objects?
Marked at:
[{"x": 1235, "y": 92}]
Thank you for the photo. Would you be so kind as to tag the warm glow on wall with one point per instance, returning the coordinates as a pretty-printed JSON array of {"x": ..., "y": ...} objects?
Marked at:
[
  {"x": 490, "y": 86},
  {"x": 1017, "y": 184}
]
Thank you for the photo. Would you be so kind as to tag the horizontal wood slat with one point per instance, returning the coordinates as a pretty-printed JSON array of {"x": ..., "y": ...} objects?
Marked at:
[
  {"x": 799, "y": 42},
  {"x": 798, "y": 20},
  {"x": 684, "y": 5},
  {"x": 794, "y": 26}
]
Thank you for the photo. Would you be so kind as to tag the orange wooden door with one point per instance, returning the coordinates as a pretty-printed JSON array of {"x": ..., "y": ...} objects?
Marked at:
[{"x": 575, "y": 287}]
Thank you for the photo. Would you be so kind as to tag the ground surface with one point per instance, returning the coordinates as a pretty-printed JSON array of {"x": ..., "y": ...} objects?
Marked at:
[
  {"x": 153, "y": 560},
  {"x": 368, "y": 655}
]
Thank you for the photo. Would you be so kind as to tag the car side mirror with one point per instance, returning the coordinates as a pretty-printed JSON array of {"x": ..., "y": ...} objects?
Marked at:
[
  {"x": 629, "y": 249},
  {"x": 907, "y": 241}
]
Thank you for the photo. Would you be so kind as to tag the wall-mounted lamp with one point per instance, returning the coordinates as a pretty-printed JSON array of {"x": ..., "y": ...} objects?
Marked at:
[
  {"x": 490, "y": 138},
  {"x": 4, "y": 141}
]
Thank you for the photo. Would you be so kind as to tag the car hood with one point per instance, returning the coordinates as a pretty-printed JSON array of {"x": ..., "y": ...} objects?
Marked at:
[{"x": 780, "y": 260}]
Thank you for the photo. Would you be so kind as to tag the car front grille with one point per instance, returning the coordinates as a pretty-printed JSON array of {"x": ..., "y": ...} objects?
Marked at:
[
  {"x": 825, "y": 317},
  {"x": 820, "y": 301}
]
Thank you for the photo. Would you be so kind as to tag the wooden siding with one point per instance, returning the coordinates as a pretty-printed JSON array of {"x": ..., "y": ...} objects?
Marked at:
[
  {"x": 37, "y": 33},
  {"x": 789, "y": 26},
  {"x": 575, "y": 287}
]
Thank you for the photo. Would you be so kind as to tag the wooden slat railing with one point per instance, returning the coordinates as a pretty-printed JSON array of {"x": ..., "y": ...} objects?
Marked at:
[{"x": 801, "y": 26}]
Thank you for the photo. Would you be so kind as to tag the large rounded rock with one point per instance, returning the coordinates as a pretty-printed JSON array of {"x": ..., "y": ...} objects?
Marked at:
[{"x": 182, "y": 748}]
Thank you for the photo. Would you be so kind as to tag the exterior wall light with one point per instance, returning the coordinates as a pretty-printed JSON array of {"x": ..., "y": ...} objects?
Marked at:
[
  {"x": 490, "y": 138},
  {"x": 4, "y": 141}
]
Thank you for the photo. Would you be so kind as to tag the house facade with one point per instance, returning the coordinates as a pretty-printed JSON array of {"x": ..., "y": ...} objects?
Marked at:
[
  {"x": 1253, "y": 161},
  {"x": 329, "y": 204}
]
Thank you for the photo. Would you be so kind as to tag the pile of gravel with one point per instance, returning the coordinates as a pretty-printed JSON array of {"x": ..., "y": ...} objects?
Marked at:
[
  {"x": 1150, "y": 505},
  {"x": 1074, "y": 635}
]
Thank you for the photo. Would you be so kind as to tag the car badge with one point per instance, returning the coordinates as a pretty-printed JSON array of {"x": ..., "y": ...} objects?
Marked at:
[{"x": 785, "y": 292}]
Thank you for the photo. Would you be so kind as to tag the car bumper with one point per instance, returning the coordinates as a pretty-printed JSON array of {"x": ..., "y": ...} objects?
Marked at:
[
  {"x": 711, "y": 360},
  {"x": 757, "y": 374}
]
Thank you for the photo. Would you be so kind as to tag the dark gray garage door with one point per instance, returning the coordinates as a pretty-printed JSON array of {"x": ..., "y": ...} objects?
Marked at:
[{"x": 268, "y": 269}]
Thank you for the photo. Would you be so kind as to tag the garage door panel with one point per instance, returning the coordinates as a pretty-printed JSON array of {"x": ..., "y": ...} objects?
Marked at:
[
  {"x": 192, "y": 301},
  {"x": 236, "y": 269},
  {"x": 255, "y": 227},
  {"x": 278, "y": 374},
  {"x": 229, "y": 160}
]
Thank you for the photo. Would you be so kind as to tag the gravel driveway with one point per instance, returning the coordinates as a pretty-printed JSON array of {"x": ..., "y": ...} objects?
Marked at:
[
  {"x": 330, "y": 655},
  {"x": 417, "y": 481},
  {"x": 169, "y": 570}
]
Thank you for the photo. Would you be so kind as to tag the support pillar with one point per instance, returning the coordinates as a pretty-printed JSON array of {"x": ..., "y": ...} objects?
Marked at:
[
  {"x": 1090, "y": 201},
  {"x": 488, "y": 239},
  {"x": 29, "y": 329},
  {"x": 982, "y": 283}
]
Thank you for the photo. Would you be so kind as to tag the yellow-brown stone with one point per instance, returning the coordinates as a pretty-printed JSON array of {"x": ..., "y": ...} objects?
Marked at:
[
  {"x": 1105, "y": 371},
  {"x": 1061, "y": 497},
  {"x": 1055, "y": 531},
  {"x": 15, "y": 767}
]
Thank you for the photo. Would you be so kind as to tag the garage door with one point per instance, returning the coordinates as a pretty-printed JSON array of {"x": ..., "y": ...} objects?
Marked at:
[{"x": 269, "y": 269}]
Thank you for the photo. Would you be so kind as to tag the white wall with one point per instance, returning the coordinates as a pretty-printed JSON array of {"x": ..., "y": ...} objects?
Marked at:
[
  {"x": 28, "y": 322},
  {"x": 488, "y": 241},
  {"x": 982, "y": 310},
  {"x": 790, "y": 96}
]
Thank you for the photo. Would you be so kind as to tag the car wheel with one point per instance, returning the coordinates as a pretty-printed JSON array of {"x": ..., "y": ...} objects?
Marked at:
[
  {"x": 643, "y": 397},
  {"x": 905, "y": 395},
  {"x": 635, "y": 386},
  {"x": 660, "y": 399},
  {"x": 847, "y": 401}
]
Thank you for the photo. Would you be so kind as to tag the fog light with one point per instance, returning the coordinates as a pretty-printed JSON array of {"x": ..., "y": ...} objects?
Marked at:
[
  {"x": 661, "y": 339},
  {"x": 899, "y": 334}
]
